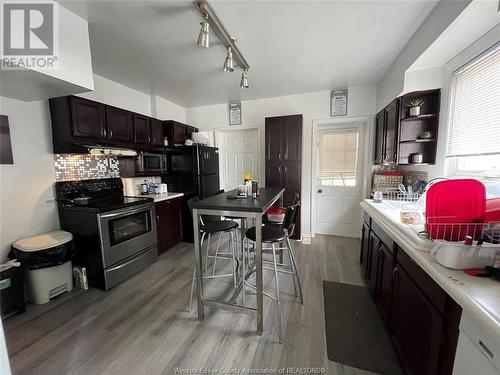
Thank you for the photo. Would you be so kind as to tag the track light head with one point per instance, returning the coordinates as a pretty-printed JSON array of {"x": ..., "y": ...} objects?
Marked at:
[
  {"x": 204, "y": 35},
  {"x": 228, "y": 62},
  {"x": 244, "y": 79}
]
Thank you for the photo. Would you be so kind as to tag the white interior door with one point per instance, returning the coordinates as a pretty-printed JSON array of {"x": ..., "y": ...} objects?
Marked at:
[
  {"x": 239, "y": 152},
  {"x": 339, "y": 169}
]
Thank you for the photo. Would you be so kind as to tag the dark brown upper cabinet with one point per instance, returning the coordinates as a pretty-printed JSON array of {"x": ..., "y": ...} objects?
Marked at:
[
  {"x": 88, "y": 118},
  {"x": 157, "y": 134},
  {"x": 399, "y": 135},
  {"x": 142, "y": 130},
  {"x": 120, "y": 125},
  {"x": 283, "y": 155},
  {"x": 379, "y": 137},
  {"x": 177, "y": 132},
  {"x": 189, "y": 131},
  {"x": 79, "y": 123},
  {"x": 391, "y": 131},
  {"x": 386, "y": 134}
]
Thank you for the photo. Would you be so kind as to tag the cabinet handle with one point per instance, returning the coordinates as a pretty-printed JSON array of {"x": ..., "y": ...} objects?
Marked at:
[
  {"x": 394, "y": 273},
  {"x": 157, "y": 218}
]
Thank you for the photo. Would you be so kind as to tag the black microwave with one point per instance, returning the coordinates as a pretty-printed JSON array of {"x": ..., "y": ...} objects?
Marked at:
[{"x": 148, "y": 162}]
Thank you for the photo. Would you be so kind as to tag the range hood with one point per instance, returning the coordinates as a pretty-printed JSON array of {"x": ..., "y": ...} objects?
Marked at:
[{"x": 106, "y": 151}]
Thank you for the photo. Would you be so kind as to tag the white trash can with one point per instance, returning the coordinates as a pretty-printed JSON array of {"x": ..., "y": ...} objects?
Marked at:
[{"x": 49, "y": 270}]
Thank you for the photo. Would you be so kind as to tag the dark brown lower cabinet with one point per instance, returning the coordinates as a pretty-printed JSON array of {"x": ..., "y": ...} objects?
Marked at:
[
  {"x": 422, "y": 319},
  {"x": 373, "y": 261},
  {"x": 386, "y": 266},
  {"x": 365, "y": 243},
  {"x": 416, "y": 326},
  {"x": 168, "y": 223}
]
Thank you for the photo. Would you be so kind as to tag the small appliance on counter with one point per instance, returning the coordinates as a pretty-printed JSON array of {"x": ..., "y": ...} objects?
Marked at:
[
  {"x": 115, "y": 235},
  {"x": 47, "y": 259}
]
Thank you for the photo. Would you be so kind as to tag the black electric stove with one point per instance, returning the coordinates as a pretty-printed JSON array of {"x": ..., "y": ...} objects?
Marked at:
[
  {"x": 115, "y": 236},
  {"x": 105, "y": 195}
]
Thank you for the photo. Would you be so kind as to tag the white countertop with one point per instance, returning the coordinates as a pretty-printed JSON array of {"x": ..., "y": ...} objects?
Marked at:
[
  {"x": 479, "y": 297},
  {"x": 162, "y": 196}
]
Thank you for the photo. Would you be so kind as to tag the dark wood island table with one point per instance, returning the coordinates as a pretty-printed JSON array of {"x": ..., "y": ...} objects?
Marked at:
[{"x": 248, "y": 208}]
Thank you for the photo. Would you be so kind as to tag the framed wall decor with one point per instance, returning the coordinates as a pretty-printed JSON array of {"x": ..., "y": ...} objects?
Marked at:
[
  {"x": 5, "y": 144},
  {"x": 235, "y": 113},
  {"x": 338, "y": 102}
]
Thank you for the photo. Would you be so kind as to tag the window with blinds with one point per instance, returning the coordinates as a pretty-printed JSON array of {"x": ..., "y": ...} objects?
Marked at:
[
  {"x": 474, "y": 116},
  {"x": 338, "y": 154}
]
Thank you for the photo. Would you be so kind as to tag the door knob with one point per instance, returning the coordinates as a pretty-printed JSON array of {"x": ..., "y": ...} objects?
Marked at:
[{"x": 320, "y": 191}]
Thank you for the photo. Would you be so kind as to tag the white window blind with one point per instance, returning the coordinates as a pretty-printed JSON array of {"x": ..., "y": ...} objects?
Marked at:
[
  {"x": 338, "y": 158},
  {"x": 474, "y": 121}
]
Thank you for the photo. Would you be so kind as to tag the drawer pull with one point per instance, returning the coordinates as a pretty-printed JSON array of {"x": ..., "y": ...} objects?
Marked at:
[{"x": 486, "y": 350}]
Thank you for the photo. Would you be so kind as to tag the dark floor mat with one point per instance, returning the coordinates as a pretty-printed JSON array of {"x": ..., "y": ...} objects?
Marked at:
[{"x": 355, "y": 333}]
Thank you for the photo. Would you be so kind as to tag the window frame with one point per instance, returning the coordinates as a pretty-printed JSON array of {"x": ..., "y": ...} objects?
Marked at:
[{"x": 451, "y": 164}]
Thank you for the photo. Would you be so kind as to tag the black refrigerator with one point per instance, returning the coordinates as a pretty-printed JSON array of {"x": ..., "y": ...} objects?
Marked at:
[{"x": 194, "y": 171}]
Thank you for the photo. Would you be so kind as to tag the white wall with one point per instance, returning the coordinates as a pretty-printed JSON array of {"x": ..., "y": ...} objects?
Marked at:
[
  {"x": 164, "y": 109},
  {"x": 26, "y": 187},
  {"x": 392, "y": 83},
  {"x": 313, "y": 106},
  {"x": 118, "y": 95}
]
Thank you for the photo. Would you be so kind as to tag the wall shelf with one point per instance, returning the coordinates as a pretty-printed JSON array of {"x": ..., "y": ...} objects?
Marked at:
[
  {"x": 419, "y": 140},
  {"x": 411, "y": 127},
  {"x": 420, "y": 117}
]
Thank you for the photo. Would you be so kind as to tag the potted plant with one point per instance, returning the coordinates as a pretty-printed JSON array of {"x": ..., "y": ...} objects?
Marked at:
[{"x": 415, "y": 107}]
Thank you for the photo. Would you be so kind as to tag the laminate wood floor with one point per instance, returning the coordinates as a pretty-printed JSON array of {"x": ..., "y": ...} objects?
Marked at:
[{"x": 142, "y": 326}]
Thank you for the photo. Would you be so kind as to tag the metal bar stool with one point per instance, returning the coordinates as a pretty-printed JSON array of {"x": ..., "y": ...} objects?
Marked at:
[
  {"x": 274, "y": 236},
  {"x": 212, "y": 225}
]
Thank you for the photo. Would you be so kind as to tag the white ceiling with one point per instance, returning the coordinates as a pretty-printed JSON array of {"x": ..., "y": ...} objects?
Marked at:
[{"x": 291, "y": 46}]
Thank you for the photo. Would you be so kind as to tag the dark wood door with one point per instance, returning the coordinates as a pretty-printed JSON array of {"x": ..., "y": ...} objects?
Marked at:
[
  {"x": 373, "y": 263},
  {"x": 385, "y": 280},
  {"x": 157, "y": 135},
  {"x": 391, "y": 131},
  {"x": 142, "y": 130},
  {"x": 416, "y": 326},
  {"x": 379, "y": 137},
  {"x": 168, "y": 223},
  {"x": 283, "y": 157},
  {"x": 365, "y": 243},
  {"x": 88, "y": 119},
  {"x": 120, "y": 125}
]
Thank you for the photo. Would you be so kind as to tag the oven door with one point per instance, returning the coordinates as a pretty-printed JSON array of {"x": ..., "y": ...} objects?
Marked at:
[{"x": 126, "y": 232}]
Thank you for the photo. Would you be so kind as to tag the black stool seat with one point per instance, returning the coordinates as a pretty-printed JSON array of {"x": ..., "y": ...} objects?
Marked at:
[
  {"x": 218, "y": 226},
  {"x": 269, "y": 234}
]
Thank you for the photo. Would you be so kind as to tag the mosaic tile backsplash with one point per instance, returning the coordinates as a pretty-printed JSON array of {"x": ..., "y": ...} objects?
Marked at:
[{"x": 73, "y": 167}]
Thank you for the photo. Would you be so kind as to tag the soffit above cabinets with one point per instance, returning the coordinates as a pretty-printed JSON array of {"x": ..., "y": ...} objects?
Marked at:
[{"x": 71, "y": 75}]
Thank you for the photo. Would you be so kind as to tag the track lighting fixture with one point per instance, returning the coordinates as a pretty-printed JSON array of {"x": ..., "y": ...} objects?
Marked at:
[
  {"x": 234, "y": 55},
  {"x": 228, "y": 62},
  {"x": 244, "y": 79},
  {"x": 203, "y": 36}
]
